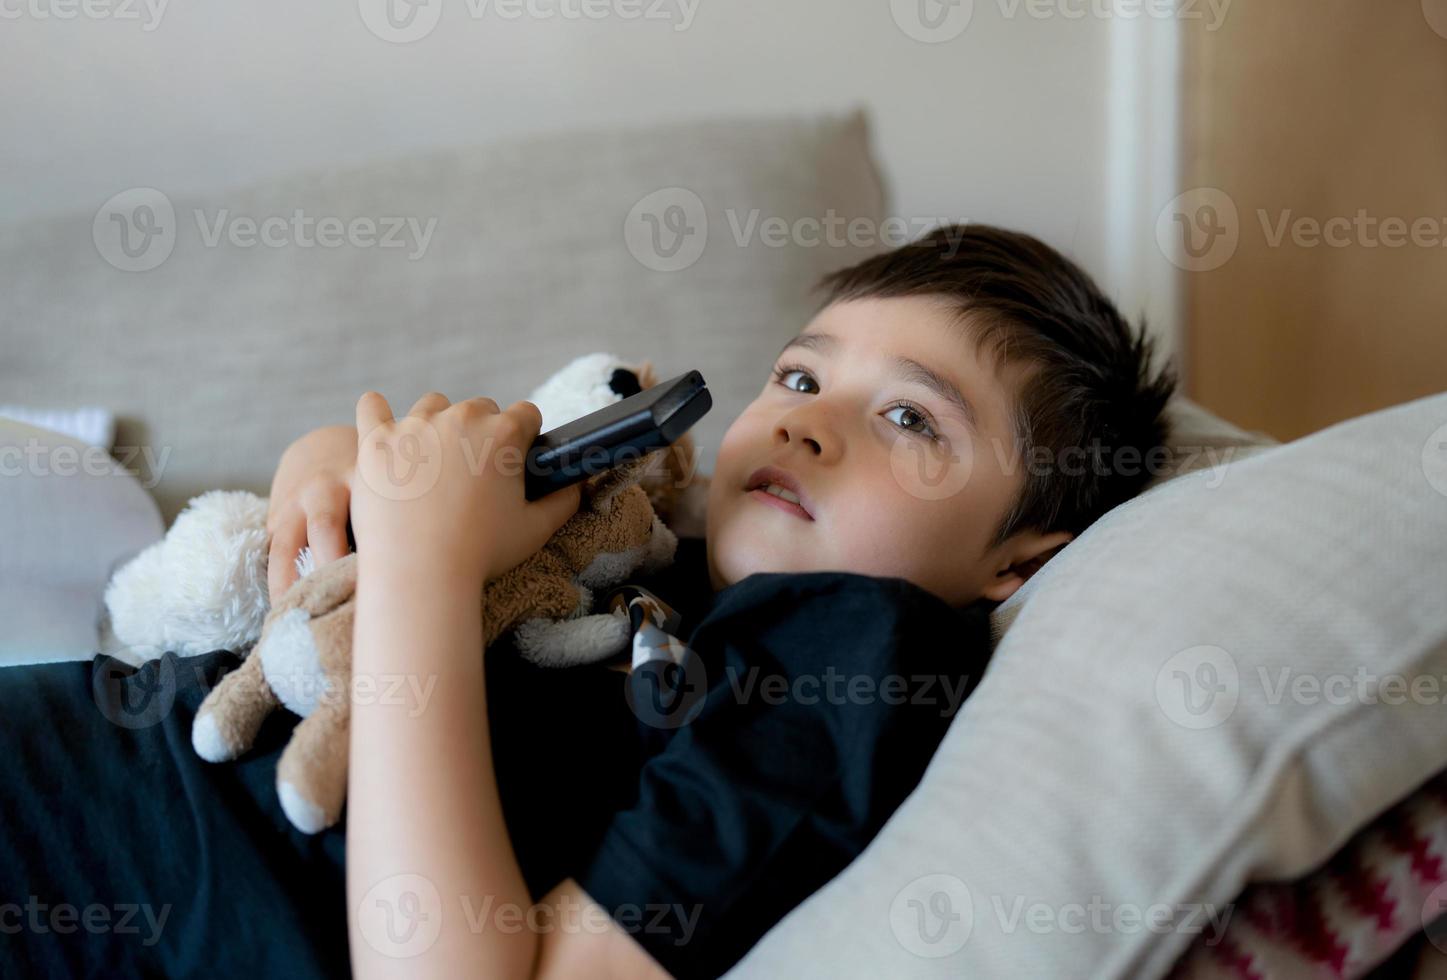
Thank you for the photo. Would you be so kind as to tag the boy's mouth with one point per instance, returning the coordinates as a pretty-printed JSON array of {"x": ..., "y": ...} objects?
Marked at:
[{"x": 779, "y": 488}]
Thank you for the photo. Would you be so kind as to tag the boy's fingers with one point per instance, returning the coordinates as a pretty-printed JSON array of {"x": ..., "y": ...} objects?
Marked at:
[
  {"x": 372, "y": 411},
  {"x": 528, "y": 413},
  {"x": 326, "y": 522},
  {"x": 281, "y": 559},
  {"x": 433, "y": 401},
  {"x": 560, "y": 505}
]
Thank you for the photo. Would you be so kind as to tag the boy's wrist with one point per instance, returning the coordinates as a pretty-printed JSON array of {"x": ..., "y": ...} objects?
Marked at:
[{"x": 404, "y": 568}]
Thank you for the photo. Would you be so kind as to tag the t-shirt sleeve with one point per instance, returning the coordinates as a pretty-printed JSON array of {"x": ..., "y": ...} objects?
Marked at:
[{"x": 807, "y": 711}]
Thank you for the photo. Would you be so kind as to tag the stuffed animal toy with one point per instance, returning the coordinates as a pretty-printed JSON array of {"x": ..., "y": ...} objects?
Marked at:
[{"x": 203, "y": 588}]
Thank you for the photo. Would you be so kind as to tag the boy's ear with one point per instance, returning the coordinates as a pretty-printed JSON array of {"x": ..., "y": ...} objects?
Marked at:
[{"x": 1021, "y": 557}]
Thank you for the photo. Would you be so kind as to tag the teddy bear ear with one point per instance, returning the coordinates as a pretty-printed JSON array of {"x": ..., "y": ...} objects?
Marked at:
[
  {"x": 603, "y": 488},
  {"x": 647, "y": 377}
]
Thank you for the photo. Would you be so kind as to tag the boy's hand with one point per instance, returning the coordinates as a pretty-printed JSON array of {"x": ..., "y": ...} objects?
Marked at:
[
  {"x": 310, "y": 497},
  {"x": 442, "y": 488}
]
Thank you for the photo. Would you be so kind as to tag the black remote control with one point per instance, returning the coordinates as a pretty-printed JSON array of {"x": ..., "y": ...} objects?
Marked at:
[{"x": 623, "y": 431}]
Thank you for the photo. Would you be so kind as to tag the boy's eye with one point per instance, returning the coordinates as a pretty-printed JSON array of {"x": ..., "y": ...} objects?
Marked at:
[
  {"x": 922, "y": 418},
  {"x": 781, "y": 373}
]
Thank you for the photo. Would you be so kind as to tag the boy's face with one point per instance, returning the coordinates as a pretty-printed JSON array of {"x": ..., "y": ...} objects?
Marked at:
[{"x": 882, "y": 497}]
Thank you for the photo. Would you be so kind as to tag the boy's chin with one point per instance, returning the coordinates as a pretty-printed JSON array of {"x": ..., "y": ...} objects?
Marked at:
[{"x": 748, "y": 552}]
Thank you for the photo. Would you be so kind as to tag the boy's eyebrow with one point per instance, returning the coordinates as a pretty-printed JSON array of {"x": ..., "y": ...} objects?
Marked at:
[{"x": 905, "y": 368}]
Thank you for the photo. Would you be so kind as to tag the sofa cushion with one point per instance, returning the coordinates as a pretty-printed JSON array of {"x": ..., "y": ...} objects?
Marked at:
[{"x": 484, "y": 270}]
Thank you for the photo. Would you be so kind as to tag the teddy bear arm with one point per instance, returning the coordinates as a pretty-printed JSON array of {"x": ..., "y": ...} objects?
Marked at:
[
  {"x": 231, "y": 714},
  {"x": 311, "y": 778}
]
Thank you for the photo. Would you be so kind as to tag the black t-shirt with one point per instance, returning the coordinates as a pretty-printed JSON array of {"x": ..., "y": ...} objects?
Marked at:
[
  {"x": 725, "y": 791},
  {"x": 124, "y": 853}
]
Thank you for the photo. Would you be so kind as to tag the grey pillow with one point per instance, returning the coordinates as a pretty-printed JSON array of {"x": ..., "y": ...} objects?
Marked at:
[
  {"x": 70, "y": 515},
  {"x": 1219, "y": 681}
]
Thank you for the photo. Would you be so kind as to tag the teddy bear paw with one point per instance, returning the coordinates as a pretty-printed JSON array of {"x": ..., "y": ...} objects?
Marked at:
[
  {"x": 209, "y": 741},
  {"x": 304, "y": 815}
]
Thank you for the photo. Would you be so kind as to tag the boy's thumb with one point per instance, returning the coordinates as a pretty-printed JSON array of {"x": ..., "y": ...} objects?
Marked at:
[{"x": 562, "y": 504}]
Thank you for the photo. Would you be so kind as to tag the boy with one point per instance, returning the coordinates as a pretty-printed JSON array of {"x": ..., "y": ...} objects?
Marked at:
[
  {"x": 894, "y": 479},
  {"x": 877, "y": 483}
]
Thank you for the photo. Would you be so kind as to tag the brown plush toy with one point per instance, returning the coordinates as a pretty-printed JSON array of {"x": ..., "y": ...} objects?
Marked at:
[{"x": 303, "y": 659}]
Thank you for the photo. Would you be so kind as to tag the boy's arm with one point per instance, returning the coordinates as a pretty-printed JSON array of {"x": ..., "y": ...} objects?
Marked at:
[{"x": 433, "y": 885}]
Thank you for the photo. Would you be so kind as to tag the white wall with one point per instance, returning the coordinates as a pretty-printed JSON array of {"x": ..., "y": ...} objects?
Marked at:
[{"x": 1060, "y": 125}]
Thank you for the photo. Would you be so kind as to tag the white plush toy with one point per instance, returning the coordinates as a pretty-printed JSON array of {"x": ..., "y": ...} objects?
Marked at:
[{"x": 203, "y": 587}]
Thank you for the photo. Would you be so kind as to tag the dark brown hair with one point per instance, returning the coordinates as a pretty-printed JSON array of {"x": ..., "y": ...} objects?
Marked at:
[{"x": 1092, "y": 383}]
